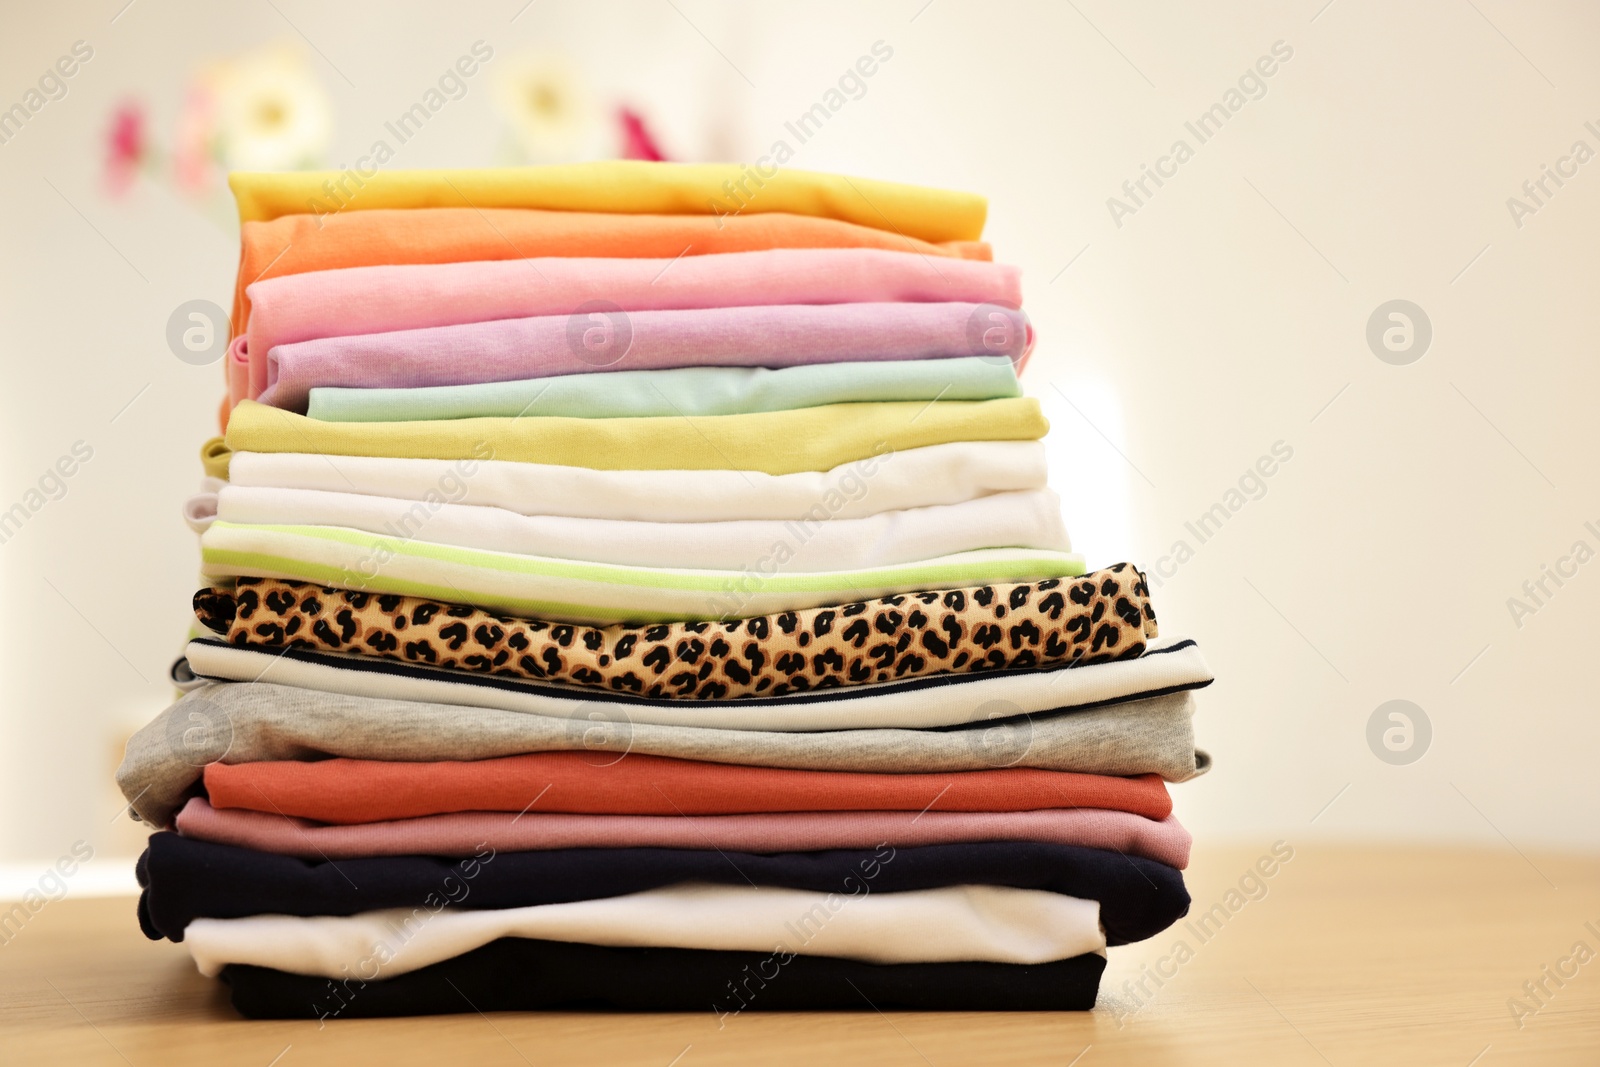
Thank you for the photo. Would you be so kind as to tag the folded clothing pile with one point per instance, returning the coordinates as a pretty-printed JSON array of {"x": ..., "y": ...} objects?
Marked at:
[{"x": 611, "y": 603}]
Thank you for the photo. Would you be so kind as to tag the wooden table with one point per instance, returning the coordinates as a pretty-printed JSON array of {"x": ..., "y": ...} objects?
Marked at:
[{"x": 1345, "y": 955}]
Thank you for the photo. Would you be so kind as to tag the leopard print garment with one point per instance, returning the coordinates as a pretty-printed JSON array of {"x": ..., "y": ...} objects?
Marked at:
[{"x": 1099, "y": 617}]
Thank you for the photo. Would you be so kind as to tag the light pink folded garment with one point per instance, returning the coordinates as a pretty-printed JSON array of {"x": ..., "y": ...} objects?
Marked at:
[
  {"x": 466, "y": 833},
  {"x": 357, "y": 300},
  {"x": 782, "y": 335},
  {"x": 238, "y": 372}
]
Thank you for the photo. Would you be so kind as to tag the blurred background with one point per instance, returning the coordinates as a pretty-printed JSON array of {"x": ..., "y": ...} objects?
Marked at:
[{"x": 1326, "y": 370}]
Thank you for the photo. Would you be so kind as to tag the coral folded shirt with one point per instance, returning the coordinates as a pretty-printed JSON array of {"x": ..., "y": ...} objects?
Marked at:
[
  {"x": 346, "y": 791},
  {"x": 295, "y": 244}
]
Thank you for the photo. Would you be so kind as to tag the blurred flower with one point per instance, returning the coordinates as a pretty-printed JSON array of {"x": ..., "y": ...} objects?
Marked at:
[
  {"x": 543, "y": 100},
  {"x": 193, "y": 150},
  {"x": 125, "y": 146},
  {"x": 637, "y": 141},
  {"x": 266, "y": 111}
]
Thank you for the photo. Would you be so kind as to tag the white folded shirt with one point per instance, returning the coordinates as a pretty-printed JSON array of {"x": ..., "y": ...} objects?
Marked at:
[
  {"x": 1020, "y": 519},
  {"x": 997, "y": 924},
  {"x": 917, "y": 477}
]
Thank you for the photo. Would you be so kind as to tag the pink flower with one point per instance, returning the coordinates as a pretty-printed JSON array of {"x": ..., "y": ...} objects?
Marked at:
[
  {"x": 125, "y": 146},
  {"x": 637, "y": 141},
  {"x": 193, "y": 163}
]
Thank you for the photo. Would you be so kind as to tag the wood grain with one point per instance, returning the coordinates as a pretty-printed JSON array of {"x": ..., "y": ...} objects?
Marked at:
[{"x": 1345, "y": 955}]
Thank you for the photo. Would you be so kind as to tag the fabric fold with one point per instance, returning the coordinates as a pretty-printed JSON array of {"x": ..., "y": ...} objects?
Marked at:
[
  {"x": 297, "y": 244},
  {"x": 774, "y": 442},
  {"x": 598, "y": 340},
  {"x": 257, "y": 721},
  {"x": 949, "y": 473},
  {"x": 1168, "y": 666},
  {"x": 348, "y": 791},
  {"x": 522, "y": 974},
  {"x": 379, "y": 299},
  {"x": 996, "y": 924},
  {"x": 184, "y": 879},
  {"x": 466, "y": 834},
  {"x": 684, "y": 391},
  {"x": 1008, "y": 520},
  {"x": 622, "y": 187},
  {"x": 573, "y": 591}
]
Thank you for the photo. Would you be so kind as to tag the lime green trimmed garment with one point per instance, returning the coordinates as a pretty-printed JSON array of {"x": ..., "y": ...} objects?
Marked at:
[
  {"x": 598, "y": 593},
  {"x": 775, "y": 442}
]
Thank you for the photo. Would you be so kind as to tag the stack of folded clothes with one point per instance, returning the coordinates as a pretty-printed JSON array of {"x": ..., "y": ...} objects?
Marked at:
[{"x": 612, "y": 600}]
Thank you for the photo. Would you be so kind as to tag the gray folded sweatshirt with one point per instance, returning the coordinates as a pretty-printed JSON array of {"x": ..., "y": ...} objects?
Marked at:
[{"x": 247, "y": 722}]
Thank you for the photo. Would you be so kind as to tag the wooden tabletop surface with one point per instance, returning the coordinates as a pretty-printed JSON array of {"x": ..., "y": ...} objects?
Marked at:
[{"x": 1344, "y": 955}]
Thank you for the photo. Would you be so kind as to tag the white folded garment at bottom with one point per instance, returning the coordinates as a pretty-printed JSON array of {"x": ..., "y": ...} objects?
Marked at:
[{"x": 972, "y": 922}]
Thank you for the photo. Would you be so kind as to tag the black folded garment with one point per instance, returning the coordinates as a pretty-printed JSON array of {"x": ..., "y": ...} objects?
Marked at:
[
  {"x": 185, "y": 879},
  {"x": 519, "y": 974}
]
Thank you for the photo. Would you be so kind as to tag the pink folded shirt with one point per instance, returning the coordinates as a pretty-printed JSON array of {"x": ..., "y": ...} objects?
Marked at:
[
  {"x": 359, "y": 300},
  {"x": 782, "y": 335},
  {"x": 466, "y": 833}
]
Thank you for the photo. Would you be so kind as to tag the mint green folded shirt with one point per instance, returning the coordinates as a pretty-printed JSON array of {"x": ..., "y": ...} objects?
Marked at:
[{"x": 683, "y": 391}]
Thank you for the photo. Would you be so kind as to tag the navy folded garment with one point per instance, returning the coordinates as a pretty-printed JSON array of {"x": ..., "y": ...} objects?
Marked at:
[
  {"x": 516, "y": 974},
  {"x": 185, "y": 879}
]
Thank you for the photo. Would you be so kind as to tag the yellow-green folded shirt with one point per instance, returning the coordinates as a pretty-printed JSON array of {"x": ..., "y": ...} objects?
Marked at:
[
  {"x": 774, "y": 442},
  {"x": 624, "y": 187},
  {"x": 214, "y": 457}
]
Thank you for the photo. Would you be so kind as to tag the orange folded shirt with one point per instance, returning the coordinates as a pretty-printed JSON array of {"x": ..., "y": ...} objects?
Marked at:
[
  {"x": 363, "y": 791},
  {"x": 294, "y": 244}
]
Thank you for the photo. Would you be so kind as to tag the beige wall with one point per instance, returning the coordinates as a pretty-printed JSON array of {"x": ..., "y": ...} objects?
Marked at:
[{"x": 1221, "y": 316}]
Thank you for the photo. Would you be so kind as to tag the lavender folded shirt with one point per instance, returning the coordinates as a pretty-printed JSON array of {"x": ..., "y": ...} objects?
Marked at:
[
  {"x": 358, "y": 300},
  {"x": 779, "y": 335},
  {"x": 466, "y": 833}
]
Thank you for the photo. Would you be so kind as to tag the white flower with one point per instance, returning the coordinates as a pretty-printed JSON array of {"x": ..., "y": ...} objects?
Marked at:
[
  {"x": 271, "y": 111},
  {"x": 547, "y": 106}
]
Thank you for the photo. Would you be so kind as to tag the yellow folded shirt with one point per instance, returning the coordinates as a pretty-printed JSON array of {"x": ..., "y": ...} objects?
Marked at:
[
  {"x": 774, "y": 442},
  {"x": 624, "y": 187}
]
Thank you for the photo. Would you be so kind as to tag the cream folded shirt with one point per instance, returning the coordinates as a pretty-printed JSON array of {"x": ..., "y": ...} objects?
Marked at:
[
  {"x": 911, "y": 478},
  {"x": 996, "y": 924},
  {"x": 1028, "y": 519}
]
